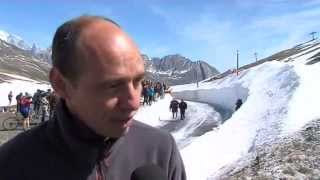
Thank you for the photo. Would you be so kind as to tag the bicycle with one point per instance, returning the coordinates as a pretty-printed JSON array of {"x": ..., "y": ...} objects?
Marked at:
[{"x": 13, "y": 122}]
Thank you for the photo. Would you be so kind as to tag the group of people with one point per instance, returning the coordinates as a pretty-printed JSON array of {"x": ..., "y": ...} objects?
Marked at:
[
  {"x": 152, "y": 91},
  {"x": 97, "y": 72},
  {"x": 182, "y": 106},
  {"x": 174, "y": 105},
  {"x": 42, "y": 103}
]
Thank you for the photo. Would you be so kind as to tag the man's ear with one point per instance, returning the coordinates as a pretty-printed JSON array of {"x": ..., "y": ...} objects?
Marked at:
[{"x": 58, "y": 83}]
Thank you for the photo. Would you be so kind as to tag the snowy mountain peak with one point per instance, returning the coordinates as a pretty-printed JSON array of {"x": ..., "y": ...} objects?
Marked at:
[
  {"x": 4, "y": 35},
  {"x": 14, "y": 40},
  {"x": 34, "y": 50}
]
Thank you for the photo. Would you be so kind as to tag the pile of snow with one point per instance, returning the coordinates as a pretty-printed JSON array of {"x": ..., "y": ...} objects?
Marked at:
[
  {"x": 304, "y": 105},
  {"x": 281, "y": 98},
  {"x": 249, "y": 125}
]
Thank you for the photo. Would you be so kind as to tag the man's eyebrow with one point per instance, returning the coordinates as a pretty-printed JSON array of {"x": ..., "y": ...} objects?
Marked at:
[
  {"x": 112, "y": 80},
  {"x": 140, "y": 76},
  {"x": 121, "y": 79}
]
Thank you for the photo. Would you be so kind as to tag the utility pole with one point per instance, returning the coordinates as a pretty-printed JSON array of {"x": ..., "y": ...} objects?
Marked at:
[
  {"x": 313, "y": 35},
  {"x": 237, "y": 62},
  {"x": 195, "y": 73},
  {"x": 256, "y": 56},
  {"x": 198, "y": 64}
]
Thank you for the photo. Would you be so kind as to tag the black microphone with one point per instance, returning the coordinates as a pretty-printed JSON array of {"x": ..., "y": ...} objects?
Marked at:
[{"x": 148, "y": 172}]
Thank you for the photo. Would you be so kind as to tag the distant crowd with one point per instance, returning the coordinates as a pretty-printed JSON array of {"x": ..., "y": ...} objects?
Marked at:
[
  {"x": 152, "y": 91},
  {"x": 41, "y": 105}
]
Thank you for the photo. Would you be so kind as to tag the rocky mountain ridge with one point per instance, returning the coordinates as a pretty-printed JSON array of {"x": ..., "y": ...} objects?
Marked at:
[
  {"x": 14, "y": 60},
  {"x": 34, "y": 50},
  {"x": 176, "y": 69}
]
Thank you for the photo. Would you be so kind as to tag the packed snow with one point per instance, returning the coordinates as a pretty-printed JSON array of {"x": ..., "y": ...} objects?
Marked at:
[{"x": 279, "y": 98}]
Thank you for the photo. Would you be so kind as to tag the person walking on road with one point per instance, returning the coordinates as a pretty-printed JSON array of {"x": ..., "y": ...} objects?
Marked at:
[
  {"x": 10, "y": 97},
  {"x": 174, "y": 104},
  {"x": 182, "y": 108},
  {"x": 238, "y": 104},
  {"x": 18, "y": 99}
]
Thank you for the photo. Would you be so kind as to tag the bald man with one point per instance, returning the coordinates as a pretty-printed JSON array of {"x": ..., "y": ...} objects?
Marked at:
[{"x": 97, "y": 73}]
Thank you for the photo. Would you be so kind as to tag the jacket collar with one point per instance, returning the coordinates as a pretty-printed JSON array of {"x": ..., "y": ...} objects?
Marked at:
[{"x": 82, "y": 142}]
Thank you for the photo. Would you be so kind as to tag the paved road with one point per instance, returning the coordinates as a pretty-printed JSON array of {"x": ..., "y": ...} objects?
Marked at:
[{"x": 200, "y": 118}]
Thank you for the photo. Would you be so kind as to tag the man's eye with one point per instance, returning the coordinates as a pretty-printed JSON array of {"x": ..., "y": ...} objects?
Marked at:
[
  {"x": 137, "y": 83},
  {"x": 114, "y": 85}
]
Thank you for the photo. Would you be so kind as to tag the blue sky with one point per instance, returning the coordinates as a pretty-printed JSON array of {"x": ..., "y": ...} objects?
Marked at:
[{"x": 211, "y": 31}]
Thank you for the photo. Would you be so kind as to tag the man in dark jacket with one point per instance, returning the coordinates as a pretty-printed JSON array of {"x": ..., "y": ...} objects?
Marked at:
[
  {"x": 36, "y": 102},
  {"x": 174, "y": 104},
  {"x": 18, "y": 99},
  {"x": 10, "y": 97},
  {"x": 97, "y": 73},
  {"x": 238, "y": 104},
  {"x": 182, "y": 108}
]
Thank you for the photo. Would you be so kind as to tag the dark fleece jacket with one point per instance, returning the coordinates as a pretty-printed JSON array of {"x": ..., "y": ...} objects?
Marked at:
[{"x": 64, "y": 148}]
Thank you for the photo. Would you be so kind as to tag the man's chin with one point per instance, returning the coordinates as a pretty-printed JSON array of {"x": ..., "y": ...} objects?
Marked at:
[
  {"x": 121, "y": 132},
  {"x": 118, "y": 129}
]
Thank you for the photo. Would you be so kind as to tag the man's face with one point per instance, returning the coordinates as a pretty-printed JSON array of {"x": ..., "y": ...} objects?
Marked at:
[{"x": 107, "y": 94}]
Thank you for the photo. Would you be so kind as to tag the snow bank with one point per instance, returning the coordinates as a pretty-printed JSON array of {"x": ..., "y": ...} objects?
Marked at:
[
  {"x": 267, "y": 89},
  {"x": 304, "y": 105},
  {"x": 224, "y": 97}
]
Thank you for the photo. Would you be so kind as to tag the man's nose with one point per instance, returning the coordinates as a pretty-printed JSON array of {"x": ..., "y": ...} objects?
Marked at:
[{"x": 131, "y": 99}]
